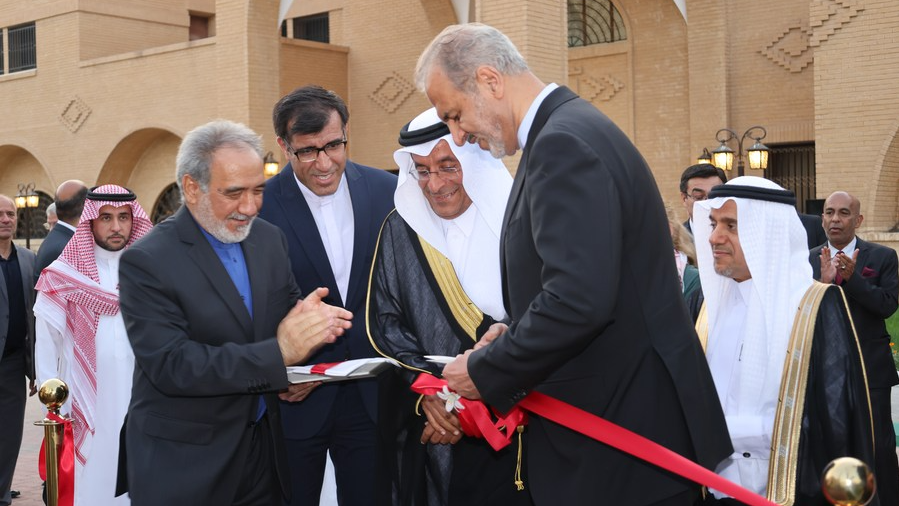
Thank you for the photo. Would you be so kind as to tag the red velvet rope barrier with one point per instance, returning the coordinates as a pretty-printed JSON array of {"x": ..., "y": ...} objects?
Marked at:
[
  {"x": 596, "y": 428},
  {"x": 66, "y": 465}
]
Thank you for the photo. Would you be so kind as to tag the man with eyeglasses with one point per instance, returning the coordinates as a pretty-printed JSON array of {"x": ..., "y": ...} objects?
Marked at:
[
  {"x": 331, "y": 210},
  {"x": 435, "y": 289},
  {"x": 695, "y": 184}
]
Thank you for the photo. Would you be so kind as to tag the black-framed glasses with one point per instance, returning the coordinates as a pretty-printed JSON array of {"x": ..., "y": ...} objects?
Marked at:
[
  {"x": 443, "y": 172},
  {"x": 310, "y": 154},
  {"x": 697, "y": 195}
]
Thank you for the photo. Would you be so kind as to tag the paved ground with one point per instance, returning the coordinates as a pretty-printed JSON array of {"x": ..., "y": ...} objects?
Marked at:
[{"x": 27, "y": 481}]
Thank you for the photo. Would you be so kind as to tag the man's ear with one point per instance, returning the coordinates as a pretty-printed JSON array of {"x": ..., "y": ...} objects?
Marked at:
[
  {"x": 491, "y": 81},
  {"x": 858, "y": 222},
  {"x": 191, "y": 189}
]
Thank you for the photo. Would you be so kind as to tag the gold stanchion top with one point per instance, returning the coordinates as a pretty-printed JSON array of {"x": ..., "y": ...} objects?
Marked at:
[
  {"x": 53, "y": 394},
  {"x": 847, "y": 481}
]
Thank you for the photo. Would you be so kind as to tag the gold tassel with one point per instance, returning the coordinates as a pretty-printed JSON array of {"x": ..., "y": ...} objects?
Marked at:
[{"x": 519, "y": 483}]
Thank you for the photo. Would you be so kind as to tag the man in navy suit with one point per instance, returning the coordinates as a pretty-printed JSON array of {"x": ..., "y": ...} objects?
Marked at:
[
  {"x": 597, "y": 318},
  {"x": 869, "y": 276},
  {"x": 331, "y": 210},
  {"x": 69, "y": 202}
]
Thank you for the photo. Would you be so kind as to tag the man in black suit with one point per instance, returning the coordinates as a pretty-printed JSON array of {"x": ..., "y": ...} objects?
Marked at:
[
  {"x": 16, "y": 342},
  {"x": 869, "y": 276},
  {"x": 331, "y": 210},
  {"x": 695, "y": 184},
  {"x": 597, "y": 318},
  {"x": 211, "y": 310},
  {"x": 69, "y": 202}
]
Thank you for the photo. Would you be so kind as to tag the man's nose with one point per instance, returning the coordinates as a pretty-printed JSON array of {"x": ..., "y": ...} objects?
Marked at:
[
  {"x": 435, "y": 182},
  {"x": 459, "y": 135},
  {"x": 249, "y": 204}
]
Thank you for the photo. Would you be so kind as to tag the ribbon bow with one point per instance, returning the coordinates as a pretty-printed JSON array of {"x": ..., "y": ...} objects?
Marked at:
[{"x": 474, "y": 415}]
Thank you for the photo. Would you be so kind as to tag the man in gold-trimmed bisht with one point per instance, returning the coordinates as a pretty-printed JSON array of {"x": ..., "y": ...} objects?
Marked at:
[
  {"x": 781, "y": 347},
  {"x": 435, "y": 289}
]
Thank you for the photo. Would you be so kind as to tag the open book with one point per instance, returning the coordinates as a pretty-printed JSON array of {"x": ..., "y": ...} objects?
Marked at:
[{"x": 340, "y": 371}]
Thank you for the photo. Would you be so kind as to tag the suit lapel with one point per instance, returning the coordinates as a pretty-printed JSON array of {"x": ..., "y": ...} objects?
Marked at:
[
  {"x": 862, "y": 259},
  {"x": 552, "y": 101},
  {"x": 303, "y": 226},
  {"x": 360, "y": 196},
  {"x": 207, "y": 261},
  {"x": 255, "y": 260}
]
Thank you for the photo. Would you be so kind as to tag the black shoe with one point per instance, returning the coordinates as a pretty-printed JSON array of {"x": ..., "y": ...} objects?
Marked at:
[{"x": 14, "y": 494}]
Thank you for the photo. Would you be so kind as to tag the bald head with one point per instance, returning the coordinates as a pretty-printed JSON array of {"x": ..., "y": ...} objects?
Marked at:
[
  {"x": 70, "y": 201},
  {"x": 842, "y": 215}
]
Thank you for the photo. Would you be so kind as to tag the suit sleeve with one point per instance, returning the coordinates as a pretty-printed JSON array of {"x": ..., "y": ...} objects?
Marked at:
[
  {"x": 878, "y": 297},
  {"x": 165, "y": 341},
  {"x": 567, "y": 182}
]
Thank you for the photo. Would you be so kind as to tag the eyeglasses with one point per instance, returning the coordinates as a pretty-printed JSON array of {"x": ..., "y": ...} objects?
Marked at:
[
  {"x": 310, "y": 154},
  {"x": 443, "y": 172},
  {"x": 697, "y": 196}
]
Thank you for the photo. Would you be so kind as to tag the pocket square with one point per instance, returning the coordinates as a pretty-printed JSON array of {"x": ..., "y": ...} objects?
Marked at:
[{"x": 868, "y": 272}]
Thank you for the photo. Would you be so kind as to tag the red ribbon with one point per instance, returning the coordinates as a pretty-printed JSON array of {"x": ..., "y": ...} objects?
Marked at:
[
  {"x": 66, "y": 464},
  {"x": 603, "y": 431},
  {"x": 321, "y": 368},
  {"x": 475, "y": 417}
]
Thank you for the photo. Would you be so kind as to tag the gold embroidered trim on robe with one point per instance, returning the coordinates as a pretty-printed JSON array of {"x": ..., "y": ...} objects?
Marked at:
[{"x": 466, "y": 313}]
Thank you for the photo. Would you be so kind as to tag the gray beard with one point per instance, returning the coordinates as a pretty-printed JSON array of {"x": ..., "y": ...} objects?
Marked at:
[{"x": 205, "y": 217}]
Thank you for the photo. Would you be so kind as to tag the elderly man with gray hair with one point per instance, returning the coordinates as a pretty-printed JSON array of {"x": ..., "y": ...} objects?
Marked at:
[{"x": 213, "y": 315}]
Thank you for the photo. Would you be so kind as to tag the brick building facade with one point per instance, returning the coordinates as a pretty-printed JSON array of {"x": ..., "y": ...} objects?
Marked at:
[{"x": 114, "y": 86}]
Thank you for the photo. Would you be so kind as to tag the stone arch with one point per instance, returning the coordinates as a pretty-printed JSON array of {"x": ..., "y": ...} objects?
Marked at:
[
  {"x": 883, "y": 211},
  {"x": 21, "y": 166},
  {"x": 143, "y": 161}
]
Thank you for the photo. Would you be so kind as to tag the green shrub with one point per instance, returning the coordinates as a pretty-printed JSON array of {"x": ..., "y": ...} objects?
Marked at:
[{"x": 893, "y": 329}]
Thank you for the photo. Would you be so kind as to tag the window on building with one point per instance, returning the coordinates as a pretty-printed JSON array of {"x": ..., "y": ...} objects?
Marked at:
[
  {"x": 313, "y": 28},
  {"x": 793, "y": 167},
  {"x": 22, "y": 48},
  {"x": 199, "y": 27},
  {"x": 2, "y": 70},
  {"x": 594, "y": 22}
]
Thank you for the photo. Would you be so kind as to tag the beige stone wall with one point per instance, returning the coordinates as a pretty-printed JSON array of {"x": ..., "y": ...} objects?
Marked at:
[
  {"x": 103, "y": 35},
  {"x": 857, "y": 130},
  {"x": 117, "y": 85}
]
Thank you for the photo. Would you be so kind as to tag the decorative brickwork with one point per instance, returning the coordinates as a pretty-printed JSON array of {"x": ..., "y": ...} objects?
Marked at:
[
  {"x": 793, "y": 48},
  {"x": 600, "y": 89},
  {"x": 74, "y": 114},
  {"x": 392, "y": 92}
]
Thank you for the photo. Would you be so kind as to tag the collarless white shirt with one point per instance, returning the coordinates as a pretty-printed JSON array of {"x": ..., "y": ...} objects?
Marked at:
[
  {"x": 474, "y": 252},
  {"x": 66, "y": 225},
  {"x": 750, "y": 425},
  {"x": 525, "y": 127},
  {"x": 333, "y": 215}
]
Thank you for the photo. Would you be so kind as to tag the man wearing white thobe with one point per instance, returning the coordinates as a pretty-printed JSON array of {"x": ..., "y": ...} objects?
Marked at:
[{"x": 81, "y": 337}]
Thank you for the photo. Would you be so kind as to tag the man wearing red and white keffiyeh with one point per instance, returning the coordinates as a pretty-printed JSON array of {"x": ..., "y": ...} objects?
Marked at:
[{"x": 81, "y": 338}]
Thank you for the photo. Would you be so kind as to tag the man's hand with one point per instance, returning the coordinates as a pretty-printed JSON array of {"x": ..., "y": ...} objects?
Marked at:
[
  {"x": 32, "y": 388},
  {"x": 442, "y": 427},
  {"x": 828, "y": 267},
  {"x": 846, "y": 264},
  {"x": 456, "y": 375},
  {"x": 298, "y": 392},
  {"x": 309, "y": 325},
  {"x": 495, "y": 330}
]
